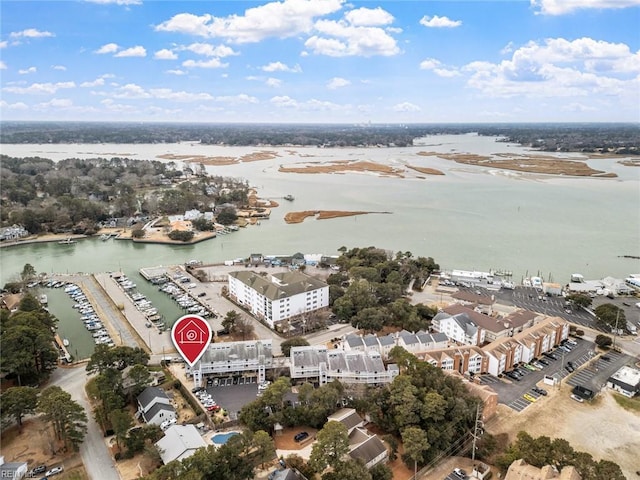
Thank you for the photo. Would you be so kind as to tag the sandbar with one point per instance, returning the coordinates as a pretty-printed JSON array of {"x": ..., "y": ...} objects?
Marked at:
[{"x": 299, "y": 217}]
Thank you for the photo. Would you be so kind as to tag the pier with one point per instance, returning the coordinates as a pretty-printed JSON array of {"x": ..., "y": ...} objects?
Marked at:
[{"x": 64, "y": 353}]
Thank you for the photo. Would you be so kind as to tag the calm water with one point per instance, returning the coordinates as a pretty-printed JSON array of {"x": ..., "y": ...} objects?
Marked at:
[{"x": 471, "y": 218}]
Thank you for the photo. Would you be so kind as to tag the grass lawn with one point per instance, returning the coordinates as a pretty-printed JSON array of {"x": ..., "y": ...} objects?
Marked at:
[{"x": 632, "y": 404}]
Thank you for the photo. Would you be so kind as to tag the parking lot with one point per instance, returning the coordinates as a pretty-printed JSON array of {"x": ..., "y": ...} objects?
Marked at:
[
  {"x": 592, "y": 376},
  {"x": 232, "y": 397}
]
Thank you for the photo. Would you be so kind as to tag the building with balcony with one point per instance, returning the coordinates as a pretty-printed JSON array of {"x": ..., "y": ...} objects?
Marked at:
[{"x": 277, "y": 299}]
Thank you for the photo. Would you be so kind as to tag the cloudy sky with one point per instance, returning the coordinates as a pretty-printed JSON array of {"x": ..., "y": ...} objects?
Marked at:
[{"x": 321, "y": 61}]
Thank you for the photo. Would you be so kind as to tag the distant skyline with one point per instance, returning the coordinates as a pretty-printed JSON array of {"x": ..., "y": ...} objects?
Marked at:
[{"x": 321, "y": 61}]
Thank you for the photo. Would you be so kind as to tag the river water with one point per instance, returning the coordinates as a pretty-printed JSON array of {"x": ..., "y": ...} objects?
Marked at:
[{"x": 470, "y": 218}]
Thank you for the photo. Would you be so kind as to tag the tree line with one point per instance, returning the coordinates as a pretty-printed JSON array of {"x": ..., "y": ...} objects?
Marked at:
[{"x": 76, "y": 195}]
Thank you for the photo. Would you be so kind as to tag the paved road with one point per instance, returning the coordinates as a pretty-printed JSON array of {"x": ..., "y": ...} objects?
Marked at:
[{"x": 95, "y": 455}]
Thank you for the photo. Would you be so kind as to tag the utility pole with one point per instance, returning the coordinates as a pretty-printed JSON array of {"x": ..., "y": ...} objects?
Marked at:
[{"x": 477, "y": 432}]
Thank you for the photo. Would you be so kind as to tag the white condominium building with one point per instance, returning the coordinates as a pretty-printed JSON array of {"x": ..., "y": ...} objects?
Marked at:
[{"x": 278, "y": 297}]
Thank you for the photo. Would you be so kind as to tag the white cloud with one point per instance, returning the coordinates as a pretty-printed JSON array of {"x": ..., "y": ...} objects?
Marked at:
[
  {"x": 275, "y": 19},
  {"x": 13, "y": 106},
  {"x": 446, "y": 72},
  {"x": 136, "y": 51},
  {"x": 131, "y": 90},
  {"x": 429, "y": 64},
  {"x": 508, "y": 48},
  {"x": 31, "y": 33},
  {"x": 368, "y": 17},
  {"x": 560, "y": 7},
  {"x": 406, "y": 107},
  {"x": 273, "y": 82},
  {"x": 578, "y": 107},
  {"x": 209, "y": 50},
  {"x": 3, "y": 66},
  {"x": 40, "y": 88},
  {"x": 55, "y": 103},
  {"x": 116, "y": 2},
  {"x": 341, "y": 40},
  {"x": 337, "y": 82},
  {"x": 28, "y": 70},
  {"x": 213, "y": 63},
  {"x": 107, "y": 48},
  {"x": 168, "y": 94},
  {"x": 165, "y": 54},
  {"x": 4, "y": 44},
  {"x": 310, "y": 105},
  {"x": 176, "y": 72},
  {"x": 557, "y": 67},
  {"x": 59, "y": 67},
  {"x": 280, "y": 67},
  {"x": 98, "y": 82},
  {"x": 242, "y": 98},
  {"x": 439, "y": 22}
]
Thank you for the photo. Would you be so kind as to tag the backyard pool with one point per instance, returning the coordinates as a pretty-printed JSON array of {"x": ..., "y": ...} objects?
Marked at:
[{"x": 222, "y": 438}]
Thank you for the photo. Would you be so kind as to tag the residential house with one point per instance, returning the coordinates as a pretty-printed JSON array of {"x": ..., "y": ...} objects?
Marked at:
[
  {"x": 348, "y": 417},
  {"x": 520, "y": 470},
  {"x": 459, "y": 327},
  {"x": 280, "y": 297},
  {"x": 495, "y": 327},
  {"x": 367, "y": 447},
  {"x": 179, "y": 442},
  {"x": 13, "y": 232},
  {"x": 154, "y": 406}
]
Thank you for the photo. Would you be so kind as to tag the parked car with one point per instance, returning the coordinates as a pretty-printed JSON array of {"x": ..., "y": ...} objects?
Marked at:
[
  {"x": 550, "y": 355},
  {"x": 301, "y": 436},
  {"x": 543, "y": 361},
  {"x": 54, "y": 471},
  {"x": 605, "y": 358},
  {"x": 197, "y": 389},
  {"x": 529, "y": 397},
  {"x": 540, "y": 391},
  {"x": 458, "y": 472},
  {"x": 36, "y": 470},
  {"x": 577, "y": 398},
  {"x": 569, "y": 368}
]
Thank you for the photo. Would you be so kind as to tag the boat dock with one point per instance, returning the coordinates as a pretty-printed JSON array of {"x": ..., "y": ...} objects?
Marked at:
[{"x": 64, "y": 353}]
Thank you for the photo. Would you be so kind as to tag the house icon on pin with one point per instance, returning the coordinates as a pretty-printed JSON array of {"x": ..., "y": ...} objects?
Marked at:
[{"x": 191, "y": 332}]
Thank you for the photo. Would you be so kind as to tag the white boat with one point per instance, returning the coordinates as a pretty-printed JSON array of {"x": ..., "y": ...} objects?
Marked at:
[
  {"x": 67, "y": 241},
  {"x": 43, "y": 299},
  {"x": 65, "y": 342}
]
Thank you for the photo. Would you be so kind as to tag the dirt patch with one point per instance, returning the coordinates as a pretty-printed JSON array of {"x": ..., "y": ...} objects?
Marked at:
[
  {"x": 600, "y": 427},
  {"x": 543, "y": 164},
  {"x": 203, "y": 159},
  {"x": 285, "y": 441},
  {"x": 299, "y": 217},
  {"x": 35, "y": 444},
  {"x": 341, "y": 166}
]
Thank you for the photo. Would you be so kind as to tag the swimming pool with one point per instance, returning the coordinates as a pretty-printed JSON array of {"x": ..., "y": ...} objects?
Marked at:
[{"x": 222, "y": 438}]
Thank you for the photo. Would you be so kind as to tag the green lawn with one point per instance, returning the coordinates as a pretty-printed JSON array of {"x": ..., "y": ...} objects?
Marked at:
[{"x": 632, "y": 404}]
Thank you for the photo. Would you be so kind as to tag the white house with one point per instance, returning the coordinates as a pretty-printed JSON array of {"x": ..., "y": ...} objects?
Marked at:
[
  {"x": 154, "y": 406},
  {"x": 179, "y": 442},
  {"x": 459, "y": 328},
  {"x": 625, "y": 381},
  {"x": 279, "y": 297}
]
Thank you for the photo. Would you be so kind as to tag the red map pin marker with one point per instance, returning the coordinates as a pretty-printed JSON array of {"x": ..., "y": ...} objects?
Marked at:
[{"x": 191, "y": 336}]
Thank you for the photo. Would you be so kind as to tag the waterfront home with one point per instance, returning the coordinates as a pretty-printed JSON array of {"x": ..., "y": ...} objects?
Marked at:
[
  {"x": 460, "y": 327},
  {"x": 13, "y": 232}
]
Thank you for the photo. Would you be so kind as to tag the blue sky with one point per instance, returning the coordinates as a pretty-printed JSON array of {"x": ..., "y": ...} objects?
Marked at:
[{"x": 319, "y": 61}]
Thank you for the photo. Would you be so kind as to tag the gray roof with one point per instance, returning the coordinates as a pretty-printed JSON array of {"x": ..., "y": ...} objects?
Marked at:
[
  {"x": 409, "y": 338},
  {"x": 249, "y": 350},
  {"x": 346, "y": 416},
  {"x": 354, "y": 341},
  {"x": 368, "y": 450},
  {"x": 157, "y": 408},
  {"x": 279, "y": 285},
  {"x": 9, "y": 469},
  {"x": 371, "y": 340},
  {"x": 308, "y": 356},
  {"x": 464, "y": 322},
  {"x": 149, "y": 396},
  {"x": 387, "y": 340},
  {"x": 337, "y": 360},
  {"x": 177, "y": 440}
]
